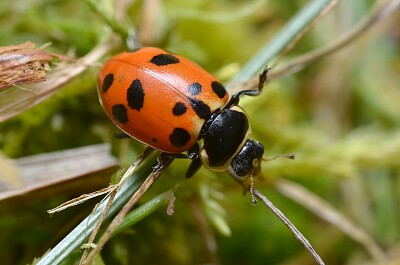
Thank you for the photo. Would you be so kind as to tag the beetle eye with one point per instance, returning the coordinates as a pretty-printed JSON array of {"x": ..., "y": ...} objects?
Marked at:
[
  {"x": 247, "y": 161},
  {"x": 256, "y": 162},
  {"x": 256, "y": 167}
]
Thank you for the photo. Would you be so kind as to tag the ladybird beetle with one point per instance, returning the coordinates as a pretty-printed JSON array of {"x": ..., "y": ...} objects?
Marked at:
[{"x": 171, "y": 104}]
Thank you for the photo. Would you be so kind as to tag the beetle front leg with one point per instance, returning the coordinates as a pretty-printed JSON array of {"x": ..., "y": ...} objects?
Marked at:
[
  {"x": 192, "y": 153},
  {"x": 263, "y": 78},
  {"x": 234, "y": 100},
  {"x": 194, "y": 166}
]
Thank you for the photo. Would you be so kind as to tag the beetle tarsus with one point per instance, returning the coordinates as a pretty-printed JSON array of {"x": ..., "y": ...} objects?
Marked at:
[{"x": 263, "y": 77}]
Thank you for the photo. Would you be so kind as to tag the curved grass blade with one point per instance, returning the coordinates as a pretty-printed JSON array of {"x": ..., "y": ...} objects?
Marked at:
[
  {"x": 81, "y": 233},
  {"x": 282, "y": 39}
]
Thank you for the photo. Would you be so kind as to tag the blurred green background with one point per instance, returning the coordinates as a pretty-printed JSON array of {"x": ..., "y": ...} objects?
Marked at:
[{"x": 339, "y": 116}]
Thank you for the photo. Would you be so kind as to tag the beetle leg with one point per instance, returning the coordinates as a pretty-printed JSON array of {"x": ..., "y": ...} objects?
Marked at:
[
  {"x": 192, "y": 153},
  {"x": 160, "y": 162},
  {"x": 263, "y": 78},
  {"x": 193, "y": 167},
  {"x": 234, "y": 100},
  {"x": 179, "y": 156}
]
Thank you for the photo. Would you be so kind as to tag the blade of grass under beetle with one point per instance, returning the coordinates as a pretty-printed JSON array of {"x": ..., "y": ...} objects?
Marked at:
[
  {"x": 163, "y": 163},
  {"x": 132, "y": 218},
  {"x": 289, "y": 32},
  {"x": 143, "y": 211},
  {"x": 81, "y": 233}
]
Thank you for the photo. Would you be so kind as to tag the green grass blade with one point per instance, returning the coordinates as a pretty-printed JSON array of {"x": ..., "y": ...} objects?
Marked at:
[
  {"x": 143, "y": 211},
  {"x": 81, "y": 233},
  {"x": 281, "y": 40}
]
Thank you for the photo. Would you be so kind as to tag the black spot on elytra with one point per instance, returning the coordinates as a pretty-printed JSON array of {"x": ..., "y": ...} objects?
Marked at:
[
  {"x": 164, "y": 59},
  {"x": 154, "y": 140},
  {"x": 119, "y": 113},
  {"x": 107, "y": 82},
  {"x": 194, "y": 89},
  {"x": 179, "y": 109},
  {"x": 202, "y": 109},
  {"x": 179, "y": 137},
  {"x": 135, "y": 95},
  {"x": 218, "y": 88}
]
